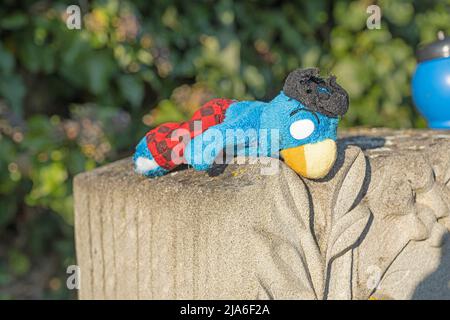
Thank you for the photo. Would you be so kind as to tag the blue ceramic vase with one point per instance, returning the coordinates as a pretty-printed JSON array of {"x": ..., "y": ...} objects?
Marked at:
[{"x": 431, "y": 83}]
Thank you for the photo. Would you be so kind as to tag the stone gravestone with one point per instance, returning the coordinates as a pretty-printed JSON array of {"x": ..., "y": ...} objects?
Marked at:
[{"x": 377, "y": 227}]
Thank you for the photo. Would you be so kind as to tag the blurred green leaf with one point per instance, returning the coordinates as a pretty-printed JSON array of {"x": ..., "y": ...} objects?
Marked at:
[
  {"x": 14, "y": 21},
  {"x": 99, "y": 69},
  {"x": 132, "y": 89},
  {"x": 19, "y": 262},
  {"x": 167, "y": 111},
  {"x": 13, "y": 89},
  {"x": 6, "y": 60}
]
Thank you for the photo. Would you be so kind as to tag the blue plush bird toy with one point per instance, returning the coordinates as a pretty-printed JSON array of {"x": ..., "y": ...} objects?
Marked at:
[{"x": 299, "y": 124}]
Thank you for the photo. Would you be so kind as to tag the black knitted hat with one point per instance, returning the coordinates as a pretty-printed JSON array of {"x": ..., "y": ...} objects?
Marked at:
[{"x": 304, "y": 86}]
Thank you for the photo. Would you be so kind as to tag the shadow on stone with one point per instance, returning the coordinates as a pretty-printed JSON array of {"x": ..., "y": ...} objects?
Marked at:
[
  {"x": 180, "y": 168},
  {"x": 436, "y": 286},
  {"x": 364, "y": 142},
  {"x": 217, "y": 169}
]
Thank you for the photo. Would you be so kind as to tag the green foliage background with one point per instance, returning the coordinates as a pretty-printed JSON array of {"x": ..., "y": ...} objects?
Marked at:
[{"x": 71, "y": 100}]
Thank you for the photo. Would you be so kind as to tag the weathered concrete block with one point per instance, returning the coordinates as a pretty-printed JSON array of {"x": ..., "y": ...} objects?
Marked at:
[{"x": 377, "y": 226}]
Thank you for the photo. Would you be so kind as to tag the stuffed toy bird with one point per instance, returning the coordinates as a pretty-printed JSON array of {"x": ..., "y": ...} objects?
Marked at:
[{"x": 303, "y": 117}]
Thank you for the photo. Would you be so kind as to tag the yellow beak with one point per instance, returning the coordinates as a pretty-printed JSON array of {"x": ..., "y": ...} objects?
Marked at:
[{"x": 313, "y": 160}]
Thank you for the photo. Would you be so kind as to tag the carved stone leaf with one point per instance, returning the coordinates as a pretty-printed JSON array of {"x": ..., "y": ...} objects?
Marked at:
[
  {"x": 293, "y": 251},
  {"x": 350, "y": 183},
  {"x": 298, "y": 194},
  {"x": 342, "y": 270},
  {"x": 346, "y": 225},
  {"x": 347, "y": 231},
  {"x": 285, "y": 274}
]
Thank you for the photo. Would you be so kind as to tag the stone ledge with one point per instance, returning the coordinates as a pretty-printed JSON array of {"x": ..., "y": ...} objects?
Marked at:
[{"x": 376, "y": 226}]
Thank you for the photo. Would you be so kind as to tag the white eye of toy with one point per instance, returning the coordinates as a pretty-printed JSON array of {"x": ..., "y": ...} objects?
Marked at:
[{"x": 301, "y": 129}]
